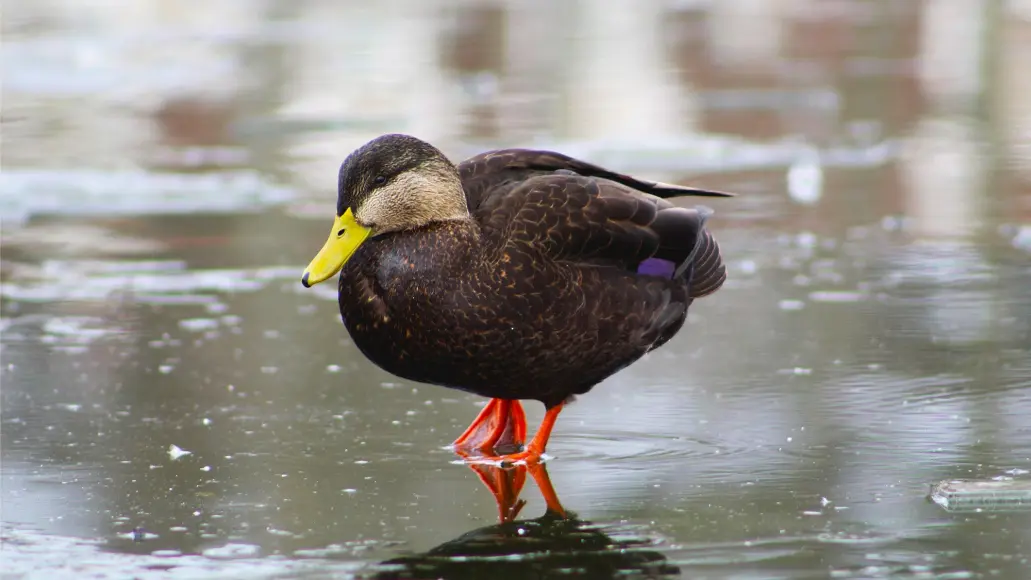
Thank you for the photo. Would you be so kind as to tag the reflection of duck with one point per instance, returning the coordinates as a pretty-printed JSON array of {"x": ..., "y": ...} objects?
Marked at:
[
  {"x": 555, "y": 545},
  {"x": 516, "y": 275}
]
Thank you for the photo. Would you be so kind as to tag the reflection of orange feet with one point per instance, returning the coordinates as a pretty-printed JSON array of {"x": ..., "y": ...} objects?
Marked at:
[
  {"x": 506, "y": 483},
  {"x": 540, "y": 476},
  {"x": 501, "y": 424}
]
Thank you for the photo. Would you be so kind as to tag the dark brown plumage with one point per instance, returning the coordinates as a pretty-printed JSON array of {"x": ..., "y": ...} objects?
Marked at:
[{"x": 562, "y": 274}]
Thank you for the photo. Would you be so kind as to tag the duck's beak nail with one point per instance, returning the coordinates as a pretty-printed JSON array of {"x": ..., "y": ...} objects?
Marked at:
[{"x": 304, "y": 281}]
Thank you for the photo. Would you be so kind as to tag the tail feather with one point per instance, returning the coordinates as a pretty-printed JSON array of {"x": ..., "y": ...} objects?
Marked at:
[
  {"x": 709, "y": 272},
  {"x": 704, "y": 264},
  {"x": 700, "y": 215},
  {"x": 686, "y": 249}
]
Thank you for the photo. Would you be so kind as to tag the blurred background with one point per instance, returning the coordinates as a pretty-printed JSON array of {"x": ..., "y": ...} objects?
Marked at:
[{"x": 169, "y": 168}]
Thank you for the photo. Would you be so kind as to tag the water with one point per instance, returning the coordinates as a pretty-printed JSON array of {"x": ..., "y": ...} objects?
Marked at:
[{"x": 176, "y": 405}]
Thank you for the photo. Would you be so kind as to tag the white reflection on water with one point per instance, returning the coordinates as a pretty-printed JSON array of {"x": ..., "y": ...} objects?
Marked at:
[
  {"x": 147, "y": 281},
  {"x": 25, "y": 193}
]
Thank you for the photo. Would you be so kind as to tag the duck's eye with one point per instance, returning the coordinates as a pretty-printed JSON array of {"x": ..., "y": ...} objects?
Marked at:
[{"x": 380, "y": 180}]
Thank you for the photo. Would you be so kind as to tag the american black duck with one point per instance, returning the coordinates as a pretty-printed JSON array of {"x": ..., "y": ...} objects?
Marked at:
[{"x": 518, "y": 274}]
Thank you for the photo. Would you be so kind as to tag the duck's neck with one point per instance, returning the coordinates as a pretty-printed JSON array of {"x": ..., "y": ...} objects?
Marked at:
[
  {"x": 450, "y": 202},
  {"x": 442, "y": 200}
]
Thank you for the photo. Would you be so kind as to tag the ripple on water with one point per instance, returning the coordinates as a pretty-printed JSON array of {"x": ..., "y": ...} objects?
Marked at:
[
  {"x": 647, "y": 432},
  {"x": 645, "y": 449},
  {"x": 607, "y": 470},
  {"x": 891, "y": 412},
  {"x": 926, "y": 423}
]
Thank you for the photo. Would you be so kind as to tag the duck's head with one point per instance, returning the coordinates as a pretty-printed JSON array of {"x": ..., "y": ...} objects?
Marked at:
[{"x": 392, "y": 183}]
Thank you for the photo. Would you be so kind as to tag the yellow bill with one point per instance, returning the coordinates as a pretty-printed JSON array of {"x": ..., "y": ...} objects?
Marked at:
[{"x": 344, "y": 239}]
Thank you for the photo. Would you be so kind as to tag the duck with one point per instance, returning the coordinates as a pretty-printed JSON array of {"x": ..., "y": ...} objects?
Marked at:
[{"x": 516, "y": 274}]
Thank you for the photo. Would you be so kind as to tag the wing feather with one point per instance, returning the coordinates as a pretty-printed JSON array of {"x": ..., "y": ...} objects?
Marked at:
[{"x": 570, "y": 210}]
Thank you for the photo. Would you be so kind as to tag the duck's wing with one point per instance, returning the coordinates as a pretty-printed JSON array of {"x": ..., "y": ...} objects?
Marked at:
[
  {"x": 495, "y": 173},
  {"x": 566, "y": 216}
]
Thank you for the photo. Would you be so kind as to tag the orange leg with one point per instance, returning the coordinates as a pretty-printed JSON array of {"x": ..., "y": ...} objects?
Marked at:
[
  {"x": 514, "y": 434},
  {"x": 532, "y": 453},
  {"x": 500, "y": 423}
]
